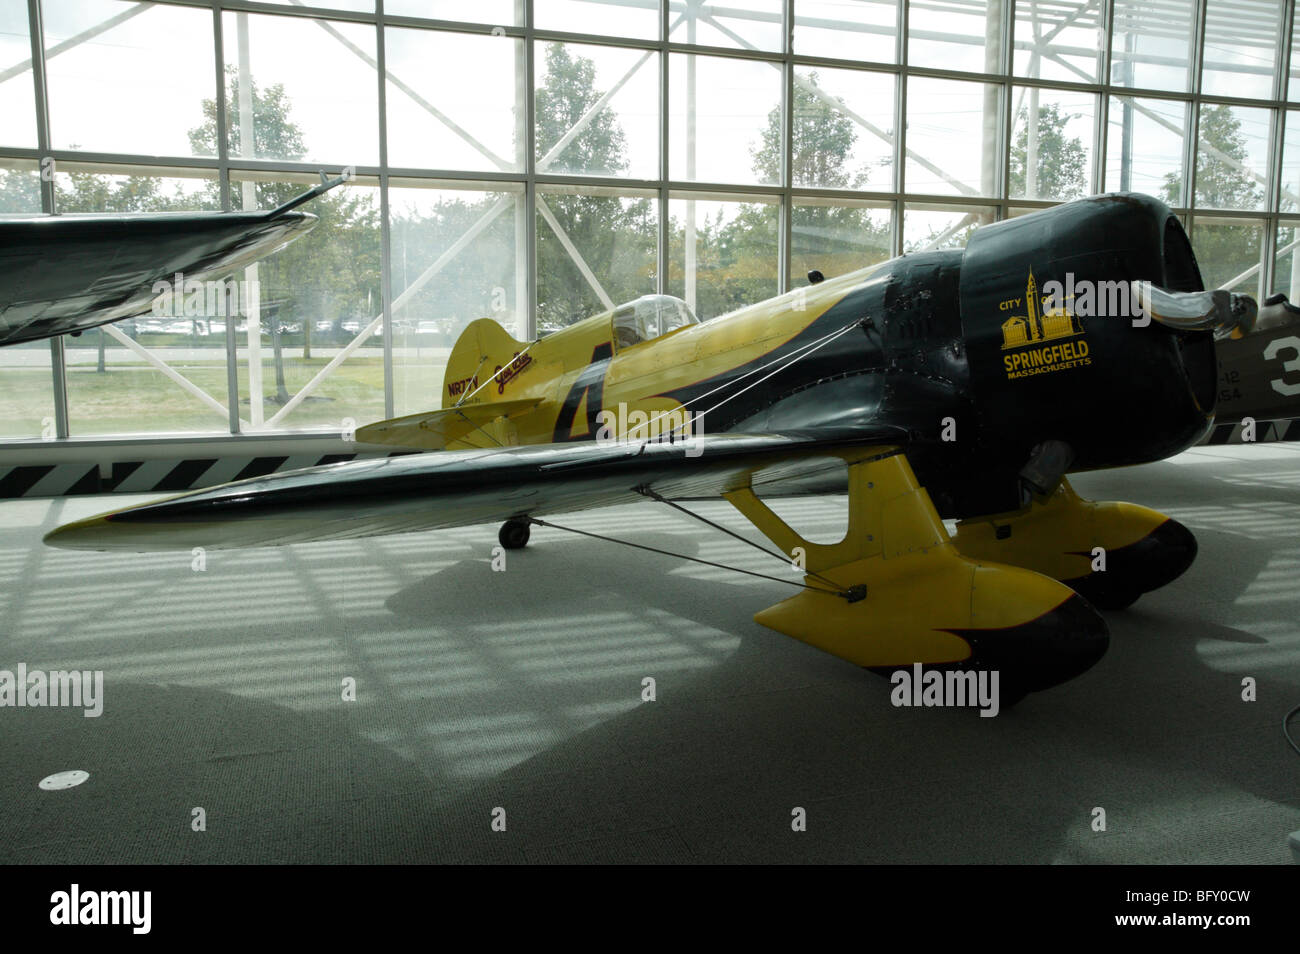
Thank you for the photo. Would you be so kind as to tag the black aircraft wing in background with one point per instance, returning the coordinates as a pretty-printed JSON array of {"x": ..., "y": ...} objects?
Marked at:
[{"x": 62, "y": 274}]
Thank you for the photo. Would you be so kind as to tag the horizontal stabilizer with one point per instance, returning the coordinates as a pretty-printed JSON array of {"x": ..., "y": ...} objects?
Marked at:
[{"x": 436, "y": 430}]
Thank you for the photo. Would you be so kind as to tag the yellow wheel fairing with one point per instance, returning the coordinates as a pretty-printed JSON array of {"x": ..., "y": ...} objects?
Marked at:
[
  {"x": 922, "y": 601},
  {"x": 919, "y": 608},
  {"x": 1140, "y": 548}
]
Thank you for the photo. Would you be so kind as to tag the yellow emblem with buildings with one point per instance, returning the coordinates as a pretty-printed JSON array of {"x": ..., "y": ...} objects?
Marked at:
[{"x": 1038, "y": 340}]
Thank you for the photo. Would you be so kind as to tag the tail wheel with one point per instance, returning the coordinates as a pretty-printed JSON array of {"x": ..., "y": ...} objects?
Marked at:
[{"x": 514, "y": 534}]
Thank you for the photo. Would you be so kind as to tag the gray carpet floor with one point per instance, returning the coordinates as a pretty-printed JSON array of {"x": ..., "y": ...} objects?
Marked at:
[{"x": 522, "y": 690}]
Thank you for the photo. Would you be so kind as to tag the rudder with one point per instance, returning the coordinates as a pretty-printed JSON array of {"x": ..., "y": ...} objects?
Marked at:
[{"x": 482, "y": 349}]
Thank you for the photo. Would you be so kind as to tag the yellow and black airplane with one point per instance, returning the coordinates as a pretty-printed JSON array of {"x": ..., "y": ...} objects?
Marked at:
[{"x": 959, "y": 384}]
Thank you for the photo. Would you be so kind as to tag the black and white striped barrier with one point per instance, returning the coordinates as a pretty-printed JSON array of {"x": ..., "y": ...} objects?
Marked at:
[
  {"x": 1265, "y": 432},
  {"x": 169, "y": 475},
  {"x": 152, "y": 476}
]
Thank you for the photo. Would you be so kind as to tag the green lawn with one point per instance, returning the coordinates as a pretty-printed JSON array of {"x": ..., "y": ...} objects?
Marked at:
[{"x": 137, "y": 398}]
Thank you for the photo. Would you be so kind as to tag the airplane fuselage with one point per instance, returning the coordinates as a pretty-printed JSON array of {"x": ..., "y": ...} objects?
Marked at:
[{"x": 962, "y": 348}]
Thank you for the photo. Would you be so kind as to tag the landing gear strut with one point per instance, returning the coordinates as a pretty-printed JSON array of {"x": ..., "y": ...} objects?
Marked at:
[
  {"x": 923, "y": 600},
  {"x": 514, "y": 534}
]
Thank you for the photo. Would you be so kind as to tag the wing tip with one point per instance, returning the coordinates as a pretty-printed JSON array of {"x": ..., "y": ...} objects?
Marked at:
[{"x": 84, "y": 534}]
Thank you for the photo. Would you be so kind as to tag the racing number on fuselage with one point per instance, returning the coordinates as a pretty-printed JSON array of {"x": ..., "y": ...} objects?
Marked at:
[
  {"x": 590, "y": 382},
  {"x": 1281, "y": 385}
]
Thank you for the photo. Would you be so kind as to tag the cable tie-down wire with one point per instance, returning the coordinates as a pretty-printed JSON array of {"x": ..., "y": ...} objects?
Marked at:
[
  {"x": 647, "y": 492},
  {"x": 853, "y": 594}
]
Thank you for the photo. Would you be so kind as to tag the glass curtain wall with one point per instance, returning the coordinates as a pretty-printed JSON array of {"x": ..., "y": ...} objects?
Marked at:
[{"x": 541, "y": 161}]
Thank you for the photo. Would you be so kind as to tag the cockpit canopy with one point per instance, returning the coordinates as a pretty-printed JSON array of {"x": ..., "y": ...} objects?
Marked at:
[{"x": 649, "y": 317}]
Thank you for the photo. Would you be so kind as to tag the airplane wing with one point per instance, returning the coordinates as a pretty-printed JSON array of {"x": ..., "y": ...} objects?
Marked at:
[
  {"x": 62, "y": 274},
  {"x": 463, "y": 488}
]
